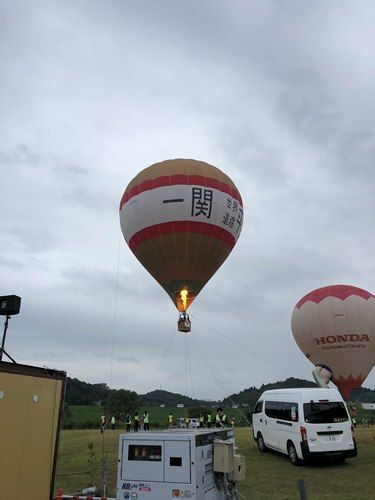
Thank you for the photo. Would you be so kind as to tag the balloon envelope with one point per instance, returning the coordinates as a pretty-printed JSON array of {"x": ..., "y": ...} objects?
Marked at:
[
  {"x": 335, "y": 326},
  {"x": 181, "y": 218}
]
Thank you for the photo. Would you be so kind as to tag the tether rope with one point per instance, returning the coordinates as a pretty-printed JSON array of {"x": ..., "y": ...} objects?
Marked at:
[
  {"x": 185, "y": 395},
  {"x": 103, "y": 459},
  {"x": 189, "y": 367},
  {"x": 114, "y": 324},
  {"x": 217, "y": 379},
  {"x": 162, "y": 359},
  {"x": 245, "y": 348}
]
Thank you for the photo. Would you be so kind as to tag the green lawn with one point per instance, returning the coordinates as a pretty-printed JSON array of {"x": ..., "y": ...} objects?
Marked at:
[{"x": 268, "y": 476}]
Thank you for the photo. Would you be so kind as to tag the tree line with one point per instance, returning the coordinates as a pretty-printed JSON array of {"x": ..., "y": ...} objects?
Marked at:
[{"x": 84, "y": 393}]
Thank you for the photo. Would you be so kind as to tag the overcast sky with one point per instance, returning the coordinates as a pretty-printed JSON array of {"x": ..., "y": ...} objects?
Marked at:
[{"x": 280, "y": 95}]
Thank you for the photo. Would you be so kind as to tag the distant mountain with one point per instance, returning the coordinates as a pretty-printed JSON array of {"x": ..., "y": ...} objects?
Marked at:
[
  {"x": 83, "y": 393},
  {"x": 158, "y": 397},
  {"x": 250, "y": 396},
  {"x": 364, "y": 395}
]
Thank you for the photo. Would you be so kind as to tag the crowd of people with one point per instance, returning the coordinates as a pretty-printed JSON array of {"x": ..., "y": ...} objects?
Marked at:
[{"x": 137, "y": 421}]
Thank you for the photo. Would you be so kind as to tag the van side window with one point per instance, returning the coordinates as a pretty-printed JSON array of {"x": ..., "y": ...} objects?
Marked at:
[
  {"x": 272, "y": 409},
  {"x": 289, "y": 412},
  {"x": 282, "y": 410},
  {"x": 258, "y": 407}
]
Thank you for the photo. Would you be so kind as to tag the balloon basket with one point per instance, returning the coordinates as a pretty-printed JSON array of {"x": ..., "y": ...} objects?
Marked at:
[{"x": 184, "y": 323}]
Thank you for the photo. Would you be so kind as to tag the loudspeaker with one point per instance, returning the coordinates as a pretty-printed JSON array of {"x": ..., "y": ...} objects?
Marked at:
[{"x": 9, "y": 305}]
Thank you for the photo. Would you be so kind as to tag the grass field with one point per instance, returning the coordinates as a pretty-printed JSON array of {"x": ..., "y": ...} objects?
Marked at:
[
  {"x": 268, "y": 476},
  {"x": 81, "y": 415}
]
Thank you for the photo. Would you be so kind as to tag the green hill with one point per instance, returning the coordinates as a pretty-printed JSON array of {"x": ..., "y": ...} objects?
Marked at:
[{"x": 83, "y": 393}]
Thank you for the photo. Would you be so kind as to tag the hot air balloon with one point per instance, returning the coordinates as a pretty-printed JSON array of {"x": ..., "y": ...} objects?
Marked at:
[
  {"x": 334, "y": 327},
  {"x": 181, "y": 218}
]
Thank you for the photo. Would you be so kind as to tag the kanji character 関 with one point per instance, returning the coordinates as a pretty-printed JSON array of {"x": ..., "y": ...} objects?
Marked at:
[{"x": 201, "y": 202}]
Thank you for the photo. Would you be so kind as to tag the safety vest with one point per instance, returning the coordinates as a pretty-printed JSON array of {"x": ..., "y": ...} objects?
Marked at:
[
  {"x": 221, "y": 420},
  {"x": 136, "y": 418},
  {"x": 201, "y": 419},
  {"x": 113, "y": 421},
  {"x": 170, "y": 418},
  {"x": 145, "y": 418},
  {"x": 128, "y": 420},
  {"x": 187, "y": 420},
  {"x": 102, "y": 419},
  {"x": 209, "y": 418},
  {"x": 232, "y": 421}
]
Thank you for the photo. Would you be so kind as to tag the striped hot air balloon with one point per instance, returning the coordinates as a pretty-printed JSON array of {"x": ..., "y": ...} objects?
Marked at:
[
  {"x": 181, "y": 218},
  {"x": 334, "y": 327}
]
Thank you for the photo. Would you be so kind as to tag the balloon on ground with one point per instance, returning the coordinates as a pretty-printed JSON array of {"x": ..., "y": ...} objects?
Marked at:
[
  {"x": 181, "y": 218},
  {"x": 334, "y": 327}
]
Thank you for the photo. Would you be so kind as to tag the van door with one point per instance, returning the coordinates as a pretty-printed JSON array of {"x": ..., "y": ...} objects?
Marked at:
[
  {"x": 270, "y": 430},
  {"x": 258, "y": 416},
  {"x": 287, "y": 425},
  {"x": 328, "y": 426}
]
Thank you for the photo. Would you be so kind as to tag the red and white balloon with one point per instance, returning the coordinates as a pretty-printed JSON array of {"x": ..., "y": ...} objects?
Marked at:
[{"x": 334, "y": 326}]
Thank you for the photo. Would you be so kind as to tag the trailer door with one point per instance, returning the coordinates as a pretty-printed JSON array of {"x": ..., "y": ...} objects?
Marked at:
[{"x": 177, "y": 462}]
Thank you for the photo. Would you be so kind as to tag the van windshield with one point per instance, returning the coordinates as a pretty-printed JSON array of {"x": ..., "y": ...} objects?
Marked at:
[{"x": 329, "y": 412}]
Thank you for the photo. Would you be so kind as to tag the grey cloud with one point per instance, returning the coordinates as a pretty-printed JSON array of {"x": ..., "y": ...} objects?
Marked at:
[
  {"x": 20, "y": 155},
  {"x": 243, "y": 148},
  {"x": 278, "y": 94},
  {"x": 309, "y": 113},
  {"x": 70, "y": 169},
  {"x": 85, "y": 279},
  {"x": 127, "y": 359},
  {"x": 356, "y": 156},
  {"x": 91, "y": 197},
  {"x": 35, "y": 239}
]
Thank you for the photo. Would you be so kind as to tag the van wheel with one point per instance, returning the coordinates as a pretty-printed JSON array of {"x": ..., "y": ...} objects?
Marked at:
[
  {"x": 261, "y": 445},
  {"x": 292, "y": 452}
]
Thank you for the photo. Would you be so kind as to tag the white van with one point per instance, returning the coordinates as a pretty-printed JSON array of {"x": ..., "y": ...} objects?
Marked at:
[
  {"x": 194, "y": 423},
  {"x": 305, "y": 424}
]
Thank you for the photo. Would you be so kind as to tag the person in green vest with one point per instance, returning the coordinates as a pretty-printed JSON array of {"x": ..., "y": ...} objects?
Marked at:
[
  {"x": 221, "y": 418},
  {"x": 113, "y": 423},
  {"x": 170, "y": 421},
  {"x": 232, "y": 421},
  {"x": 209, "y": 420},
  {"x": 187, "y": 421},
  {"x": 136, "y": 421},
  {"x": 103, "y": 423},
  {"x": 146, "y": 421}
]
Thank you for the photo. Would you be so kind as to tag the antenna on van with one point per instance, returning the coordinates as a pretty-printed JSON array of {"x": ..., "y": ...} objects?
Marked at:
[{"x": 322, "y": 375}]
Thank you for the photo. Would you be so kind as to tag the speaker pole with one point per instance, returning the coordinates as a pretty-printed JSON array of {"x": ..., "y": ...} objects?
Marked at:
[{"x": 2, "y": 348}]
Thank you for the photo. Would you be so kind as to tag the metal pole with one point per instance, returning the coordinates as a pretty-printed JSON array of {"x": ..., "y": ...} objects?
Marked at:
[
  {"x": 302, "y": 489},
  {"x": 4, "y": 335},
  {"x": 104, "y": 475}
]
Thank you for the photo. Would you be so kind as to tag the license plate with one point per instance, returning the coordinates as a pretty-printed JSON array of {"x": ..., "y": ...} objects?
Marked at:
[{"x": 331, "y": 438}]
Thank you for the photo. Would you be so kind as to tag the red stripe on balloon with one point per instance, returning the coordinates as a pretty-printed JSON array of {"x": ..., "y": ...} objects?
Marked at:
[
  {"x": 347, "y": 384},
  {"x": 180, "y": 179},
  {"x": 182, "y": 227},
  {"x": 341, "y": 292}
]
